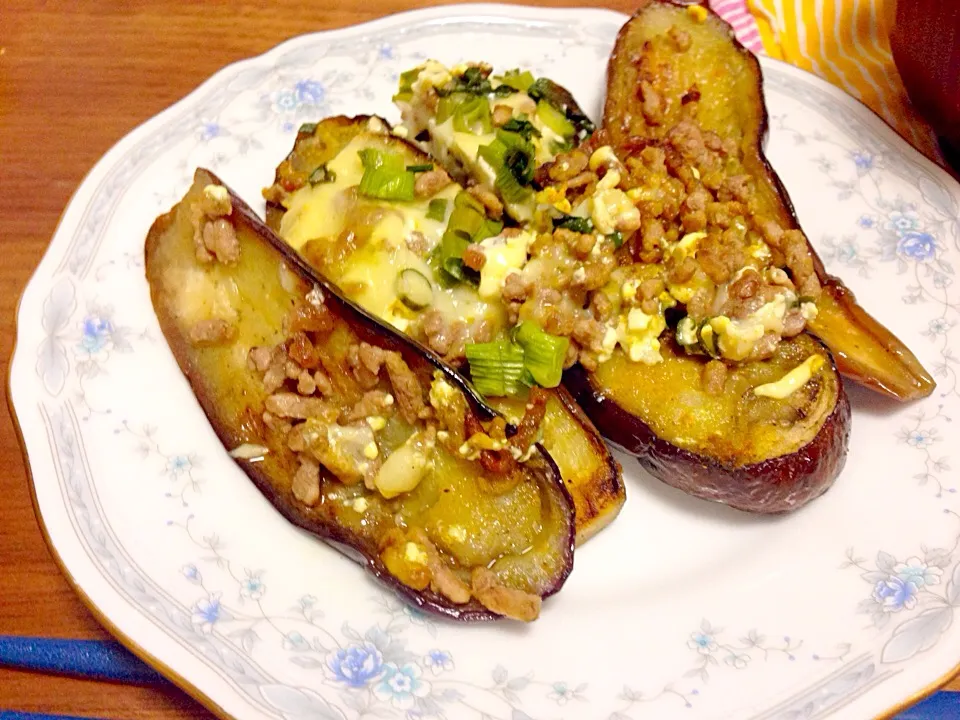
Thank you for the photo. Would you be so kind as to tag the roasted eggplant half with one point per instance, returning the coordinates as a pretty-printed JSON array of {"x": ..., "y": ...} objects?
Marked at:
[
  {"x": 679, "y": 65},
  {"x": 398, "y": 253},
  {"x": 351, "y": 430},
  {"x": 772, "y": 440}
]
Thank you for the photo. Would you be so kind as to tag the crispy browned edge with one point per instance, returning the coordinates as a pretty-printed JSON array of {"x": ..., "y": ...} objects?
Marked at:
[
  {"x": 597, "y": 508},
  {"x": 368, "y": 326},
  {"x": 608, "y": 495},
  {"x": 775, "y": 485},
  {"x": 908, "y": 379}
]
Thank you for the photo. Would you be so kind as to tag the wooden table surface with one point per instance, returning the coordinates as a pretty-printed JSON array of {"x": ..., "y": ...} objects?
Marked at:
[{"x": 74, "y": 79}]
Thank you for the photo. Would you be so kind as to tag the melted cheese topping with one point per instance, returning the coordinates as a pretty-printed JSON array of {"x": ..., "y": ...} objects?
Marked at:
[
  {"x": 792, "y": 381},
  {"x": 368, "y": 274},
  {"x": 736, "y": 338},
  {"x": 637, "y": 334},
  {"x": 503, "y": 257}
]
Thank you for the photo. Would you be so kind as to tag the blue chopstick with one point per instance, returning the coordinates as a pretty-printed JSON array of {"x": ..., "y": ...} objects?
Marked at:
[
  {"x": 17, "y": 715},
  {"x": 943, "y": 705},
  {"x": 93, "y": 659}
]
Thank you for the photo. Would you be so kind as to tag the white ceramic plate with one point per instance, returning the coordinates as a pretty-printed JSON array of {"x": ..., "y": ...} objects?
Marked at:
[{"x": 680, "y": 609}]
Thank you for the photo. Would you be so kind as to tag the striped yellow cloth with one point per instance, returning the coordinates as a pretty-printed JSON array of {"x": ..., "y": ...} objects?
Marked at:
[{"x": 846, "y": 42}]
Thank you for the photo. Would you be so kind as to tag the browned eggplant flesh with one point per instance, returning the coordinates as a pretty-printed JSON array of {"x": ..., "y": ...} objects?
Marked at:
[{"x": 772, "y": 439}]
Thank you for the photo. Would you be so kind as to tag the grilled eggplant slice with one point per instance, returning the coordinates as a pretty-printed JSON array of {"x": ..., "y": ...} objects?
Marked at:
[
  {"x": 752, "y": 450},
  {"x": 351, "y": 430},
  {"x": 364, "y": 246},
  {"x": 673, "y": 61}
]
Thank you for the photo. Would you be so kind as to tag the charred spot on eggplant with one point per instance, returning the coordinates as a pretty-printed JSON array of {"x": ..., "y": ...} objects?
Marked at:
[{"x": 351, "y": 430}]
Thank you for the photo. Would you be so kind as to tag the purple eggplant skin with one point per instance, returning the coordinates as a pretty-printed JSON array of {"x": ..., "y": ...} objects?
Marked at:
[
  {"x": 234, "y": 411},
  {"x": 777, "y": 484}
]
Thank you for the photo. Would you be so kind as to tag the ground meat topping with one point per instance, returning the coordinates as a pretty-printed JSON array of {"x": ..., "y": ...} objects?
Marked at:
[
  {"x": 680, "y": 199},
  {"x": 417, "y": 243},
  {"x": 431, "y": 182},
  {"x": 214, "y": 236},
  {"x": 292, "y": 405},
  {"x": 515, "y": 288},
  {"x": 490, "y": 201},
  {"x": 501, "y": 115},
  {"x": 567, "y": 166},
  {"x": 443, "y": 580},
  {"x": 502, "y": 600},
  {"x": 474, "y": 257},
  {"x": 373, "y": 403},
  {"x": 406, "y": 387},
  {"x": 212, "y": 332},
  {"x": 713, "y": 377},
  {"x": 306, "y": 482}
]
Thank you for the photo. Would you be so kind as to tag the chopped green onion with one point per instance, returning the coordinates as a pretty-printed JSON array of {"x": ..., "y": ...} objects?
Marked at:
[
  {"x": 527, "y": 379},
  {"x": 554, "y": 119},
  {"x": 473, "y": 81},
  {"x": 616, "y": 237},
  {"x": 516, "y": 80},
  {"x": 468, "y": 223},
  {"x": 512, "y": 159},
  {"x": 473, "y": 116},
  {"x": 420, "y": 168},
  {"x": 437, "y": 210},
  {"x": 385, "y": 185},
  {"x": 385, "y": 176},
  {"x": 574, "y": 223},
  {"x": 708, "y": 339},
  {"x": 466, "y": 219},
  {"x": 447, "y": 105},
  {"x": 373, "y": 159},
  {"x": 512, "y": 192},
  {"x": 465, "y": 199},
  {"x": 489, "y": 228},
  {"x": 407, "y": 79},
  {"x": 519, "y": 156},
  {"x": 545, "y": 89},
  {"x": 447, "y": 258},
  {"x": 523, "y": 128},
  {"x": 543, "y": 353},
  {"x": 414, "y": 289},
  {"x": 322, "y": 175},
  {"x": 496, "y": 368},
  {"x": 561, "y": 146},
  {"x": 686, "y": 333},
  {"x": 307, "y": 129}
]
